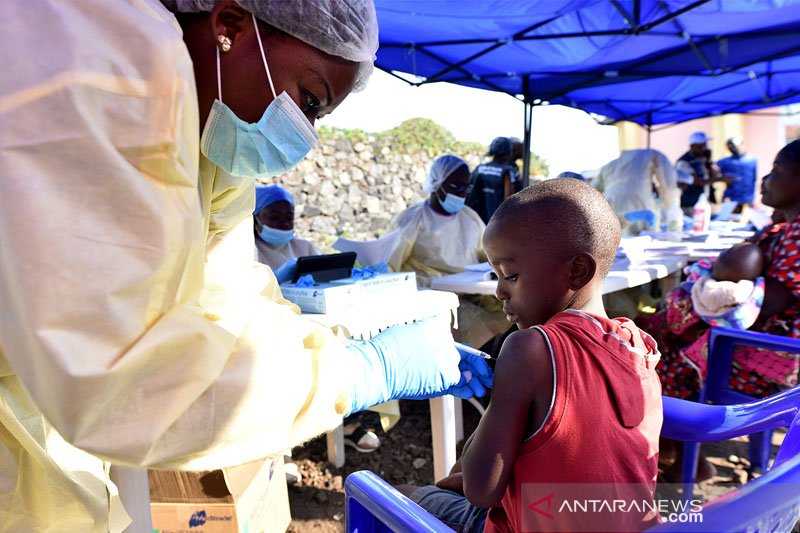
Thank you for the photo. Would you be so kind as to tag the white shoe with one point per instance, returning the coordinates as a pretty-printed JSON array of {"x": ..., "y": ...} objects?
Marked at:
[
  {"x": 361, "y": 440},
  {"x": 293, "y": 475}
]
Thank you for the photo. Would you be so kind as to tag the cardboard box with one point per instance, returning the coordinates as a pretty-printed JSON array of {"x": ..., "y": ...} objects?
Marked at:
[
  {"x": 251, "y": 498},
  {"x": 344, "y": 296}
]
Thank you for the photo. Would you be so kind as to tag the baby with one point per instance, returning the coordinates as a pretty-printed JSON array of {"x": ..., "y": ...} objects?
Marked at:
[
  {"x": 730, "y": 292},
  {"x": 742, "y": 262}
]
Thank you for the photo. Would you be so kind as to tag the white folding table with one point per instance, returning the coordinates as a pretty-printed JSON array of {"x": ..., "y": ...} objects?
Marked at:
[
  {"x": 365, "y": 323},
  {"x": 659, "y": 263},
  {"x": 622, "y": 276}
]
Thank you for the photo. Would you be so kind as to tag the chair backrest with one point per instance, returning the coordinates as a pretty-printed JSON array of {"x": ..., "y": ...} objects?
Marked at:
[
  {"x": 697, "y": 422},
  {"x": 372, "y": 505},
  {"x": 790, "y": 447},
  {"x": 769, "y": 504},
  {"x": 721, "y": 344}
]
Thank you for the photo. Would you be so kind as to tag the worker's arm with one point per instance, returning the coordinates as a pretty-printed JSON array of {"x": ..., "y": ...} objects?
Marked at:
[
  {"x": 722, "y": 178},
  {"x": 127, "y": 346},
  {"x": 133, "y": 344},
  {"x": 725, "y": 174},
  {"x": 715, "y": 174},
  {"x": 508, "y": 187},
  {"x": 523, "y": 384}
]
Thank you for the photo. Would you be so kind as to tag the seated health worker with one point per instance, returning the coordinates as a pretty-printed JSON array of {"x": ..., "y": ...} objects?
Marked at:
[
  {"x": 273, "y": 224},
  {"x": 276, "y": 243},
  {"x": 441, "y": 236}
]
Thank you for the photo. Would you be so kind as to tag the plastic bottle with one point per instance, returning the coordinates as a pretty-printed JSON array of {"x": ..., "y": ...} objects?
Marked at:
[{"x": 701, "y": 214}]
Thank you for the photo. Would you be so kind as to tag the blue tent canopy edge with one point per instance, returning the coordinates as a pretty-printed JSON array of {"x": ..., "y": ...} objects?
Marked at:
[{"x": 646, "y": 61}]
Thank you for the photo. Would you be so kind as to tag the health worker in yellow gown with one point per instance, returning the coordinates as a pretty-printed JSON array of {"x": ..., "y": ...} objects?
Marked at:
[{"x": 136, "y": 327}]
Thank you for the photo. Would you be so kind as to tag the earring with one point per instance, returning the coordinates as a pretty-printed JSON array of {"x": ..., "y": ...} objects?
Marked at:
[{"x": 224, "y": 43}]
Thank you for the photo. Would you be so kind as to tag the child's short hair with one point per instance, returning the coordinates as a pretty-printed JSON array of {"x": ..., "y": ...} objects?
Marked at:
[{"x": 569, "y": 211}]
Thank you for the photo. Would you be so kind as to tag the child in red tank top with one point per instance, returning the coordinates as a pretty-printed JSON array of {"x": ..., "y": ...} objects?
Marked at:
[{"x": 576, "y": 411}]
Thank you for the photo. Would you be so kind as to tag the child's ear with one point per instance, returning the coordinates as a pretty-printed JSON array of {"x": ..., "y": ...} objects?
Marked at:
[{"x": 582, "y": 270}]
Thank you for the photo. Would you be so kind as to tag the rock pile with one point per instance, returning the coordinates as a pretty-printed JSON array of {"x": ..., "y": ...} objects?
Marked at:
[{"x": 354, "y": 183}]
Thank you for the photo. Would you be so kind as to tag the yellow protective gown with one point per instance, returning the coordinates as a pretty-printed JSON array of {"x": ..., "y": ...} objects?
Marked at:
[
  {"x": 434, "y": 245},
  {"x": 136, "y": 327}
]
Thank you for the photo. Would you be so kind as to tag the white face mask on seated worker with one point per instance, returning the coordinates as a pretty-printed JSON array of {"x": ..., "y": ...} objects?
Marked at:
[
  {"x": 276, "y": 237},
  {"x": 451, "y": 203},
  {"x": 270, "y": 147}
]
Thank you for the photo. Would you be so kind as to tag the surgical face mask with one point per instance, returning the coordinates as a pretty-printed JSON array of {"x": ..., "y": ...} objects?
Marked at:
[
  {"x": 452, "y": 203},
  {"x": 270, "y": 147},
  {"x": 276, "y": 237}
]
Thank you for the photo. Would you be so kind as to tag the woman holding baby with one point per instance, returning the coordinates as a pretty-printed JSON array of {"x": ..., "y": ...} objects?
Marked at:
[{"x": 769, "y": 268}]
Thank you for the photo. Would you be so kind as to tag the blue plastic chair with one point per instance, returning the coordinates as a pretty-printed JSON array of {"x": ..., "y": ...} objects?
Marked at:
[
  {"x": 374, "y": 506},
  {"x": 721, "y": 344},
  {"x": 766, "y": 504},
  {"x": 770, "y": 503}
]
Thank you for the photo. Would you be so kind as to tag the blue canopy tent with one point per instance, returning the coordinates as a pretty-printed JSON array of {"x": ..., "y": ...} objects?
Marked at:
[{"x": 646, "y": 61}]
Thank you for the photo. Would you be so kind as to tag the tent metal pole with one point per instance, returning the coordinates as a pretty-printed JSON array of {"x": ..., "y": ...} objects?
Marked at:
[
  {"x": 526, "y": 159},
  {"x": 527, "y": 118},
  {"x": 649, "y": 128}
]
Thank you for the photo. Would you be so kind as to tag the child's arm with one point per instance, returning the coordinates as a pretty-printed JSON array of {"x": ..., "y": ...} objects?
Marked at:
[{"x": 523, "y": 386}]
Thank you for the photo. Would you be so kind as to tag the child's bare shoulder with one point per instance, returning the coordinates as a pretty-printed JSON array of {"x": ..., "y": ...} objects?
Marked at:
[{"x": 524, "y": 352}]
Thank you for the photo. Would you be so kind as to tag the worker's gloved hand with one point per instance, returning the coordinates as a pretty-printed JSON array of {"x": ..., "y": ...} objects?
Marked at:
[
  {"x": 644, "y": 215},
  {"x": 476, "y": 376},
  {"x": 286, "y": 271},
  {"x": 417, "y": 361}
]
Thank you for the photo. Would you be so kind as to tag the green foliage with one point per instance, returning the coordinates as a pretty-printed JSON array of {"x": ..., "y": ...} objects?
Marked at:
[
  {"x": 419, "y": 135},
  {"x": 424, "y": 135},
  {"x": 326, "y": 133},
  {"x": 539, "y": 166}
]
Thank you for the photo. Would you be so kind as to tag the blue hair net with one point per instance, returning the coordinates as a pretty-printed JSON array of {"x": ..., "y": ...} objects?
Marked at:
[
  {"x": 269, "y": 194},
  {"x": 573, "y": 175}
]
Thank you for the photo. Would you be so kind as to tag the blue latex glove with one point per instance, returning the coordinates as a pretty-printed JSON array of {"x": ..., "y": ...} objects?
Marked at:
[
  {"x": 476, "y": 376},
  {"x": 369, "y": 272},
  {"x": 417, "y": 361},
  {"x": 286, "y": 271},
  {"x": 644, "y": 215},
  {"x": 305, "y": 281}
]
